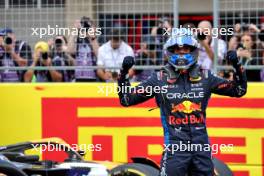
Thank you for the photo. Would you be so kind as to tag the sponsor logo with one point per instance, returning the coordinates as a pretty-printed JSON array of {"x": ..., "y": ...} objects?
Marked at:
[
  {"x": 222, "y": 86},
  {"x": 197, "y": 89},
  {"x": 186, "y": 106},
  {"x": 197, "y": 85},
  {"x": 190, "y": 95},
  {"x": 172, "y": 85},
  {"x": 192, "y": 119}
]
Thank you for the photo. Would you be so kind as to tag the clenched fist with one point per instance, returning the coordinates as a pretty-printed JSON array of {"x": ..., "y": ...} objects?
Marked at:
[
  {"x": 128, "y": 63},
  {"x": 231, "y": 57}
]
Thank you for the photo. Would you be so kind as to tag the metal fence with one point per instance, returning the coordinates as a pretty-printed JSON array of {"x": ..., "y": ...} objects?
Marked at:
[
  {"x": 247, "y": 18},
  {"x": 139, "y": 19}
]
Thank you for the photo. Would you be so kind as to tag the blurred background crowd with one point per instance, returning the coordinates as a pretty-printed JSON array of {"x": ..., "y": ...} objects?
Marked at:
[{"x": 71, "y": 58}]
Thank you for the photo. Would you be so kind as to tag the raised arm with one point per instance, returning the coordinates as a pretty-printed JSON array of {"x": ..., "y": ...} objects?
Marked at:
[
  {"x": 131, "y": 96},
  {"x": 235, "y": 88}
]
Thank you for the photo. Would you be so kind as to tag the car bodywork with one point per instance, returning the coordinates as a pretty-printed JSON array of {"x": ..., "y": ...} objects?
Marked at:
[
  {"x": 74, "y": 164},
  {"x": 17, "y": 156}
]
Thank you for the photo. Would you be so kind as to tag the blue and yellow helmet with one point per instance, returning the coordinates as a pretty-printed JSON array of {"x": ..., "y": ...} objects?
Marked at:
[{"x": 180, "y": 38}]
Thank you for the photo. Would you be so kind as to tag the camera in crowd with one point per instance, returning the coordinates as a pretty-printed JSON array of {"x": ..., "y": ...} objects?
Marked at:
[
  {"x": 160, "y": 31},
  {"x": 85, "y": 29},
  {"x": 162, "y": 23},
  {"x": 241, "y": 46},
  {"x": 86, "y": 23},
  {"x": 44, "y": 55},
  {"x": 8, "y": 40},
  {"x": 151, "y": 46}
]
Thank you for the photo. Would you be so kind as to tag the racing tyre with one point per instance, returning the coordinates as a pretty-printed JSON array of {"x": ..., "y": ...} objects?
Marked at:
[
  {"x": 134, "y": 169},
  {"x": 221, "y": 169}
]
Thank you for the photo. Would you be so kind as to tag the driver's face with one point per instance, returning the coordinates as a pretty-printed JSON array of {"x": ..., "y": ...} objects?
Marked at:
[{"x": 182, "y": 50}]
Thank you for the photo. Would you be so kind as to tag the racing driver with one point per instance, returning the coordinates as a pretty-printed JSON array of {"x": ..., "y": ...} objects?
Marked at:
[{"x": 183, "y": 104}]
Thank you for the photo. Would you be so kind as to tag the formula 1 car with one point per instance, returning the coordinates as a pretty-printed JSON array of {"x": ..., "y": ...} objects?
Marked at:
[{"x": 15, "y": 160}]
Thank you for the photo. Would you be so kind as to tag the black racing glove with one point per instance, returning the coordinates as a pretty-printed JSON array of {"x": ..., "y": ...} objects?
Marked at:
[
  {"x": 128, "y": 62},
  {"x": 232, "y": 58},
  {"x": 239, "y": 75}
]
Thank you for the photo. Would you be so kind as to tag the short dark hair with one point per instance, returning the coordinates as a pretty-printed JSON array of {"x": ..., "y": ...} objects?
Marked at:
[
  {"x": 64, "y": 38},
  {"x": 116, "y": 34}
]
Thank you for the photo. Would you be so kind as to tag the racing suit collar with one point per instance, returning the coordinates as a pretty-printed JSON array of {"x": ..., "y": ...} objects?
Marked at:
[{"x": 172, "y": 75}]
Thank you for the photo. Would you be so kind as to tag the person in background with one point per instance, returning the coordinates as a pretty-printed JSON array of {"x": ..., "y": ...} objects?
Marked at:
[
  {"x": 158, "y": 32},
  {"x": 145, "y": 56},
  {"x": 250, "y": 47},
  {"x": 13, "y": 53},
  {"x": 251, "y": 53},
  {"x": 84, "y": 49},
  {"x": 206, "y": 48},
  {"x": 60, "y": 56},
  {"x": 233, "y": 43},
  {"x": 261, "y": 34},
  {"x": 111, "y": 54},
  {"x": 41, "y": 58},
  {"x": 2, "y": 50},
  {"x": 261, "y": 37}
]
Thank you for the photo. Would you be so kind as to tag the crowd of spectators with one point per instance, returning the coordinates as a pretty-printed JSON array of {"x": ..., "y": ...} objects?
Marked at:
[{"x": 87, "y": 51}]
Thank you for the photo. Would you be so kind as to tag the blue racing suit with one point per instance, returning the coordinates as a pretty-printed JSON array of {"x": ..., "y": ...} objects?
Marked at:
[{"x": 183, "y": 102}]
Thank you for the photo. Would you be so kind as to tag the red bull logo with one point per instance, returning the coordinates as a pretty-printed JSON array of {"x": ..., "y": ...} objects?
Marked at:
[
  {"x": 186, "y": 107},
  {"x": 192, "y": 119}
]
